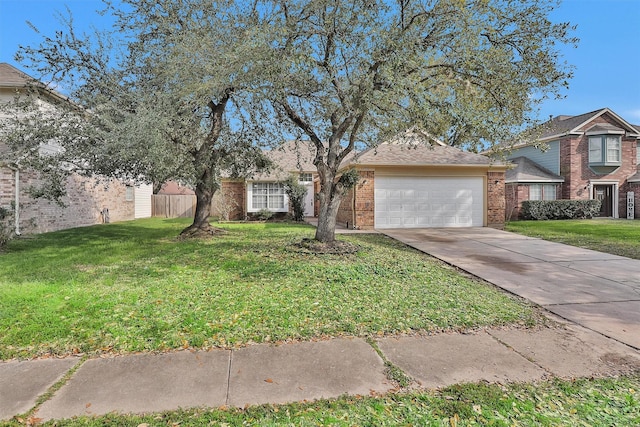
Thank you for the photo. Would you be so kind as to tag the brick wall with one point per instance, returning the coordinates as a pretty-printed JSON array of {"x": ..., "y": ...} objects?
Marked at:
[
  {"x": 495, "y": 199},
  {"x": 578, "y": 174},
  {"x": 230, "y": 197},
  {"x": 365, "y": 201},
  {"x": 345, "y": 211},
  {"x": 635, "y": 187},
  {"x": 85, "y": 200}
]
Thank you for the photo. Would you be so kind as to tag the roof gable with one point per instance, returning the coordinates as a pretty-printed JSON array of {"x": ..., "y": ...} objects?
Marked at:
[
  {"x": 290, "y": 157},
  {"x": 566, "y": 125},
  {"x": 526, "y": 170},
  {"x": 415, "y": 148}
]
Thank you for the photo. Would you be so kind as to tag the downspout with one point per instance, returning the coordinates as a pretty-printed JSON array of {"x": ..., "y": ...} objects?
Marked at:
[{"x": 16, "y": 215}]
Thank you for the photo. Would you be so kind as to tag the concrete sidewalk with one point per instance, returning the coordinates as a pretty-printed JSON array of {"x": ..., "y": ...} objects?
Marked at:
[
  {"x": 597, "y": 290},
  {"x": 303, "y": 371}
]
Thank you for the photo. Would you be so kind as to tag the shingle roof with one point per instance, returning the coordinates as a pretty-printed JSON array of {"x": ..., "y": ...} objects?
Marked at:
[
  {"x": 527, "y": 170},
  {"x": 562, "y": 125},
  {"x": 410, "y": 148},
  {"x": 12, "y": 77},
  {"x": 292, "y": 156},
  {"x": 414, "y": 148},
  {"x": 635, "y": 177}
]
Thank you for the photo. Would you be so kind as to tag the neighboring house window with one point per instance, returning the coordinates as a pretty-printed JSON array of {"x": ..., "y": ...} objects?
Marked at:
[
  {"x": 305, "y": 177},
  {"x": 267, "y": 195},
  {"x": 542, "y": 192},
  {"x": 604, "y": 150},
  {"x": 129, "y": 194},
  {"x": 638, "y": 154}
]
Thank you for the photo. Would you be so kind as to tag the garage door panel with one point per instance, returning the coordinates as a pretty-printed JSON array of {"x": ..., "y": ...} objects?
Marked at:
[{"x": 409, "y": 202}]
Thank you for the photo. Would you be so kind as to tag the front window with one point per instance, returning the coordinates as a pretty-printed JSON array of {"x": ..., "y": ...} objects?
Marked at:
[
  {"x": 613, "y": 149},
  {"x": 267, "y": 195},
  {"x": 129, "y": 194},
  {"x": 604, "y": 150},
  {"x": 542, "y": 192},
  {"x": 305, "y": 177}
]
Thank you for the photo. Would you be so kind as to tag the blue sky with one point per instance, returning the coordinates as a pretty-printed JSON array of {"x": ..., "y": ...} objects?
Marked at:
[{"x": 607, "y": 60}]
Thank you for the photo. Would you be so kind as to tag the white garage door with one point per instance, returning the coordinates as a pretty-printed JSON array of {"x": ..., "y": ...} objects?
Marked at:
[{"x": 414, "y": 202}]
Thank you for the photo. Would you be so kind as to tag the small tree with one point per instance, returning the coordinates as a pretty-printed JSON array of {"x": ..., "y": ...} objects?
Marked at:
[{"x": 297, "y": 194}]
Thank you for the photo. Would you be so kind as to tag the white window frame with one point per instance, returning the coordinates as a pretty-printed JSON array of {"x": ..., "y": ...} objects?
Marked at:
[
  {"x": 305, "y": 177},
  {"x": 544, "y": 191},
  {"x": 608, "y": 149},
  {"x": 274, "y": 190},
  {"x": 129, "y": 193}
]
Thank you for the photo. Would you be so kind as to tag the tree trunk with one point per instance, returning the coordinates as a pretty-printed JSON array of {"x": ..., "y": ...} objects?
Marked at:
[
  {"x": 330, "y": 200},
  {"x": 205, "y": 189}
]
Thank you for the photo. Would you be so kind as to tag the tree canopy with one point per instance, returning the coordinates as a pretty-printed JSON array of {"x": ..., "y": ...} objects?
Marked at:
[
  {"x": 352, "y": 73},
  {"x": 186, "y": 89},
  {"x": 154, "y": 99}
]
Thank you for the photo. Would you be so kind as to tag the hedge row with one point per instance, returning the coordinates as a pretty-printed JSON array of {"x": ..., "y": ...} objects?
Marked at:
[{"x": 560, "y": 209}]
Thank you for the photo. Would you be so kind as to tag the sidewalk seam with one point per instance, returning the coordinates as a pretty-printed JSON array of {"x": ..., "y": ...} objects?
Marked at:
[
  {"x": 533, "y": 362},
  {"x": 226, "y": 399}
]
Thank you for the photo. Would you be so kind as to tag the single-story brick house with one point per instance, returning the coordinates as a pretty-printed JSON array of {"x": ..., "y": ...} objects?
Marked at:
[
  {"x": 595, "y": 155},
  {"x": 88, "y": 200},
  {"x": 409, "y": 182}
]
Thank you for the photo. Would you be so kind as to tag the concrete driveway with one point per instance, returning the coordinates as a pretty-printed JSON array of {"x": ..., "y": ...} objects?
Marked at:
[{"x": 594, "y": 289}]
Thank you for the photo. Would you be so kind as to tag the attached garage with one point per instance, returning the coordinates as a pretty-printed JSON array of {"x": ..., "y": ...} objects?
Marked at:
[
  {"x": 416, "y": 181},
  {"x": 417, "y": 202}
]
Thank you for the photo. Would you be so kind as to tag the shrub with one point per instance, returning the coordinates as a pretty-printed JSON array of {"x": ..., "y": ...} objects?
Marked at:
[
  {"x": 6, "y": 226},
  {"x": 264, "y": 214},
  {"x": 296, "y": 193},
  {"x": 560, "y": 209}
]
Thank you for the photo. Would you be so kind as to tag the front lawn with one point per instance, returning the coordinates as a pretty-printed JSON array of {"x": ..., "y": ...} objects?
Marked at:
[
  {"x": 134, "y": 287},
  {"x": 618, "y": 237}
]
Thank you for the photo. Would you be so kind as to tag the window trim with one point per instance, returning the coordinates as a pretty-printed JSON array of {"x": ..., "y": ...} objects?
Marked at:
[
  {"x": 303, "y": 175},
  {"x": 604, "y": 148},
  {"x": 282, "y": 192},
  {"x": 129, "y": 194},
  {"x": 544, "y": 190}
]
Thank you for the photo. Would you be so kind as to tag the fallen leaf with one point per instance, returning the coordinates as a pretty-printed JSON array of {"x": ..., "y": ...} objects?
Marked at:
[{"x": 268, "y": 380}]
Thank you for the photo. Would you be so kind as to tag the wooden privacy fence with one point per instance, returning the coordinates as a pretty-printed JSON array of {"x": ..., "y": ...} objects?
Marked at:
[{"x": 173, "y": 206}]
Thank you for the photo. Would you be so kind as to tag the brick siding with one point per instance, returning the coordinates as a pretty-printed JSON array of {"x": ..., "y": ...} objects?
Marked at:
[
  {"x": 232, "y": 195},
  {"x": 82, "y": 205},
  {"x": 495, "y": 199}
]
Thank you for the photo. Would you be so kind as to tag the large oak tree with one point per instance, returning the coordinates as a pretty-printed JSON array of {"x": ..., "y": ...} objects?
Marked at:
[
  {"x": 349, "y": 73},
  {"x": 154, "y": 98}
]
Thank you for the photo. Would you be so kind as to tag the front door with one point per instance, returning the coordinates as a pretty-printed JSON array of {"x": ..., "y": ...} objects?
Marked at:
[
  {"x": 308, "y": 200},
  {"x": 604, "y": 193}
]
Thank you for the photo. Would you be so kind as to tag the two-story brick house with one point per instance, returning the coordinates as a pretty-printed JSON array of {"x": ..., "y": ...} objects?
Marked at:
[
  {"x": 88, "y": 200},
  {"x": 590, "y": 156}
]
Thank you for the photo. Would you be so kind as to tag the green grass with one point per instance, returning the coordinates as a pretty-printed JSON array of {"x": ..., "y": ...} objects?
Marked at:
[
  {"x": 585, "y": 402},
  {"x": 134, "y": 287},
  {"x": 618, "y": 237}
]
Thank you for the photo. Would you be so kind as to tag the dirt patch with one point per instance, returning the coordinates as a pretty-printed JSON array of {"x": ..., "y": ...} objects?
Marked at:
[
  {"x": 200, "y": 233},
  {"x": 337, "y": 247},
  {"x": 620, "y": 363}
]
